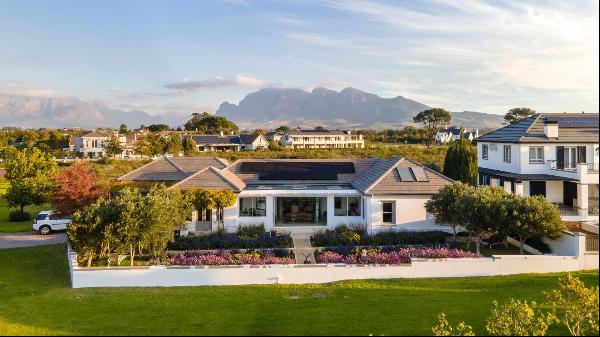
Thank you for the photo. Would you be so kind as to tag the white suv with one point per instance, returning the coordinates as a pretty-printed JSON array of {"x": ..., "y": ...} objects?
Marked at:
[{"x": 46, "y": 222}]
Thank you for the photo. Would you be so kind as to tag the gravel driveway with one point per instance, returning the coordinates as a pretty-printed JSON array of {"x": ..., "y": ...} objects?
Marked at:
[{"x": 30, "y": 239}]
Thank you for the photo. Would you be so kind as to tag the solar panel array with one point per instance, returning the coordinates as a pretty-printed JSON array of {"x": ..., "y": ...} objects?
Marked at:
[
  {"x": 297, "y": 170},
  {"x": 412, "y": 174},
  {"x": 575, "y": 121}
]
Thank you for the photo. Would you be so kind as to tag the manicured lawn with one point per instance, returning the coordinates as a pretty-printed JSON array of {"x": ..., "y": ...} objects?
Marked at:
[
  {"x": 21, "y": 226},
  {"x": 35, "y": 298}
]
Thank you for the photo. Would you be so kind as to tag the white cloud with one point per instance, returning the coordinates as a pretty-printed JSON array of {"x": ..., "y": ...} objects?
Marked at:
[
  {"x": 22, "y": 89},
  {"x": 239, "y": 80}
]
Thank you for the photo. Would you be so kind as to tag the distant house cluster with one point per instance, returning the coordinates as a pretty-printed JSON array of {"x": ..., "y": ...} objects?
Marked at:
[{"x": 453, "y": 134}]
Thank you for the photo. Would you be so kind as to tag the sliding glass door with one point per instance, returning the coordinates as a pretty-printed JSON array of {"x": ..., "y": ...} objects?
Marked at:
[{"x": 300, "y": 211}]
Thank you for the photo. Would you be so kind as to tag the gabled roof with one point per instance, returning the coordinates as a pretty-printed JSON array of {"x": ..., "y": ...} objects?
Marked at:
[
  {"x": 217, "y": 139},
  {"x": 383, "y": 178},
  {"x": 249, "y": 138},
  {"x": 211, "y": 178},
  {"x": 372, "y": 176},
  {"x": 572, "y": 128},
  {"x": 172, "y": 169}
]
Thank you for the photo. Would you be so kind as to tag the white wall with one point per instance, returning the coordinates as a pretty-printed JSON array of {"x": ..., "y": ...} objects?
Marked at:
[
  {"x": 302, "y": 274},
  {"x": 410, "y": 214},
  {"x": 495, "y": 159}
]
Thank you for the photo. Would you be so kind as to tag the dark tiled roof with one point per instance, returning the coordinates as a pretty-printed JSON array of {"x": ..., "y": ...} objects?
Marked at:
[
  {"x": 217, "y": 139},
  {"x": 391, "y": 183},
  {"x": 572, "y": 128},
  {"x": 172, "y": 169},
  {"x": 248, "y": 138},
  {"x": 373, "y": 176},
  {"x": 213, "y": 179},
  {"x": 521, "y": 177}
]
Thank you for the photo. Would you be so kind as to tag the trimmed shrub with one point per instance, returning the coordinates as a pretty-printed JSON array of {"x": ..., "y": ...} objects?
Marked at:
[
  {"x": 16, "y": 216},
  {"x": 393, "y": 257},
  {"x": 221, "y": 240},
  {"x": 225, "y": 257},
  {"x": 251, "y": 231},
  {"x": 357, "y": 237}
]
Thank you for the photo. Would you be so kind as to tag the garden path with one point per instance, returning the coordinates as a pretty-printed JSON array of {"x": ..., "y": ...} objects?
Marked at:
[{"x": 302, "y": 249}]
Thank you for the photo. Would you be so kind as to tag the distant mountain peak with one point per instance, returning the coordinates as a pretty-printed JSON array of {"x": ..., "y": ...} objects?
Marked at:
[{"x": 350, "y": 107}]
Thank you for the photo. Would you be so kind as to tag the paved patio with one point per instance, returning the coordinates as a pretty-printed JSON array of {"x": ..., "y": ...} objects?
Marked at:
[{"x": 303, "y": 251}]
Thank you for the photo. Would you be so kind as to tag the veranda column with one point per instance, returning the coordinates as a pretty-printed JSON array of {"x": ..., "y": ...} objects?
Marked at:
[
  {"x": 582, "y": 199},
  {"x": 519, "y": 188}
]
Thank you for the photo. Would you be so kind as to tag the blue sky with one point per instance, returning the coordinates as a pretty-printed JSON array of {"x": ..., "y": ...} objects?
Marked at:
[{"x": 185, "y": 55}]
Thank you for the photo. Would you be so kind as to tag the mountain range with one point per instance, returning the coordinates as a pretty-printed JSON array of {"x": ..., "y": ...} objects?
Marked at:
[
  {"x": 349, "y": 108},
  {"x": 67, "y": 112},
  {"x": 265, "y": 108}
]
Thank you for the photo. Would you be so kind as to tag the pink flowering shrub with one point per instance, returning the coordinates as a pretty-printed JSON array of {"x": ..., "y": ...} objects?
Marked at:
[
  {"x": 223, "y": 257},
  {"x": 400, "y": 256}
]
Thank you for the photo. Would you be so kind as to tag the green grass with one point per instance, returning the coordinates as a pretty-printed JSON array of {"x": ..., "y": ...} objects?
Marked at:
[
  {"x": 7, "y": 226},
  {"x": 35, "y": 298}
]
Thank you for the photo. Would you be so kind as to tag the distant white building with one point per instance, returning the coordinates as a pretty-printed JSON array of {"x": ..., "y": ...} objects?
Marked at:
[
  {"x": 322, "y": 139},
  {"x": 93, "y": 144},
  {"x": 452, "y": 134}
]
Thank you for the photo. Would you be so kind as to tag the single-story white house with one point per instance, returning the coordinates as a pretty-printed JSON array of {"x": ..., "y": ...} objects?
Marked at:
[{"x": 306, "y": 194}]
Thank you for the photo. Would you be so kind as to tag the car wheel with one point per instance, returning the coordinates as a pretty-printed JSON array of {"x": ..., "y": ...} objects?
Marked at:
[{"x": 45, "y": 230}]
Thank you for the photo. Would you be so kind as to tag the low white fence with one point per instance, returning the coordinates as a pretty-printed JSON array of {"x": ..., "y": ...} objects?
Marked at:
[{"x": 160, "y": 276}]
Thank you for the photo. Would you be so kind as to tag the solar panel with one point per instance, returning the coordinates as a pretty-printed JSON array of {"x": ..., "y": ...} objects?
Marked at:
[
  {"x": 297, "y": 170},
  {"x": 419, "y": 173},
  {"x": 575, "y": 121},
  {"x": 405, "y": 174}
]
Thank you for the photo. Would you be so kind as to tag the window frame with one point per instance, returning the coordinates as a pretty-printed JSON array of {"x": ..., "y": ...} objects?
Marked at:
[
  {"x": 537, "y": 160},
  {"x": 485, "y": 151},
  {"x": 253, "y": 208},
  {"x": 347, "y": 213},
  {"x": 392, "y": 212},
  {"x": 507, "y": 158}
]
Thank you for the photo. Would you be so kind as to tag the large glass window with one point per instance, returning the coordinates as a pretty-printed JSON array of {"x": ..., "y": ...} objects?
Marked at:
[
  {"x": 253, "y": 206},
  {"x": 507, "y": 153},
  {"x": 536, "y": 154},
  {"x": 387, "y": 212},
  {"x": 347, "y": 206},
  {"x": 484, "y": 151}
]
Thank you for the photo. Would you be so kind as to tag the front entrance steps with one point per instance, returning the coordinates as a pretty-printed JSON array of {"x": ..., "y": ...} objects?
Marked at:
[{"x": 303, "y": 251}]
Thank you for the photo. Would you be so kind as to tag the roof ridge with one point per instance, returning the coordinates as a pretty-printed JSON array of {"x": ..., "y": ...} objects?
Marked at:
[
  {"x": 238, "y": 185},
  {"x": 395, "y": 164},
  {"x": 431, "y": 170},
  {"x": 175, "y": 165},
  {"x": 223, "y": 161},
  {"x": 188, "y": 178},
  {"x": 136, "y": 170},
  {"x": 537, "y": 116}
]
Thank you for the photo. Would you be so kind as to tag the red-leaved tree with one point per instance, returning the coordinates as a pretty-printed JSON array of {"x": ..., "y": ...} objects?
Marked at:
[{"x": 74, "y": 188}]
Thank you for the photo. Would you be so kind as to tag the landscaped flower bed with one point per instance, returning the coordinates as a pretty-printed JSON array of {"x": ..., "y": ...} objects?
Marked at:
[
  {"x": 344, "y": 236},
  {"x": 395, "y": 256},
  {"x": 229, "y": 257},
  {"x": 244, "y": 239}
]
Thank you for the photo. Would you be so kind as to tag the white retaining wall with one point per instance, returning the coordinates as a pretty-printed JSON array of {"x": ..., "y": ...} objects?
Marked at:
[{"x": 161, "y": 276}]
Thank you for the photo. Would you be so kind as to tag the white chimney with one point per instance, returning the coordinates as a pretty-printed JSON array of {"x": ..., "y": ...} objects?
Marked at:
[
  {"x": 551, "y": 129},
  {"x": 221, "y": 133}
]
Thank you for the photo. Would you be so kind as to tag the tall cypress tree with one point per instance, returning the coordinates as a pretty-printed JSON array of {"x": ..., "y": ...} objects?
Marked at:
[{"x": 461, "y": 161}]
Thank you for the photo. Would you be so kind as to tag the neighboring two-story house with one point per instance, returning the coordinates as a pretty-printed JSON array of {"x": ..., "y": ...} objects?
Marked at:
[
  {"x": 93, "y": 144},
  {"x": 453, "y": 134},
  {"x": 322, "y": 139},
  {"x": 554, "y": 155}
]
